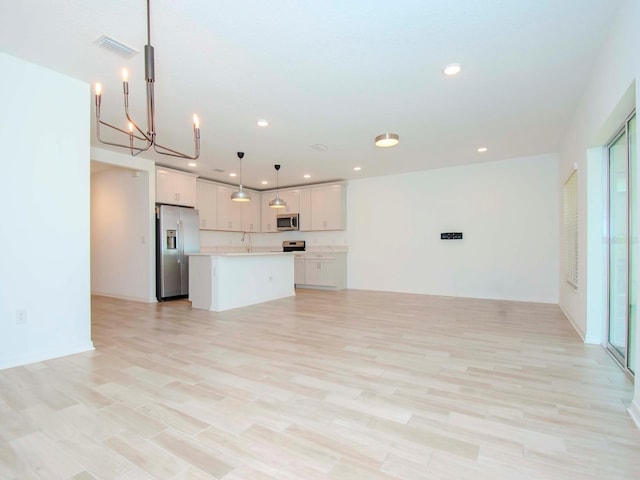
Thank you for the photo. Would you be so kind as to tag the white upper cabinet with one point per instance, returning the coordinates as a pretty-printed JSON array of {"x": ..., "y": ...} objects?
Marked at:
[
  {"x": 292, "y": 197},
  {"x": 229, "y": 212},
  {"x": 268, "y": 213},
  {"x": 175, "y": 188},
  {"x": 206, "y": 204},
  {"x": 328, "y": 207},
  {"x": 251, "y": 213},
  {"x": 305, "y": 209}
]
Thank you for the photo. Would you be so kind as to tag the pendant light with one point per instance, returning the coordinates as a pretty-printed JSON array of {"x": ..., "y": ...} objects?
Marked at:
[
  {"x": 277, "y": 202},
  {"x": 241, "y": 195}
]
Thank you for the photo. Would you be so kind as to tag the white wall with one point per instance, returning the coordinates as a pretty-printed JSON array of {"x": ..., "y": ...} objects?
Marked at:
[
  {"x": 147, "y": 171},
  {"x": 609, "y": 98},
  {"x": 44, "y": 232},
  {"x": 119, "y": 234},
  {"x": 507, "y": 211}
]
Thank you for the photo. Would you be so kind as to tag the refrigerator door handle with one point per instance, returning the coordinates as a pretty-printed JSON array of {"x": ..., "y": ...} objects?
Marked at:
[{"x": 180, "y": 242}]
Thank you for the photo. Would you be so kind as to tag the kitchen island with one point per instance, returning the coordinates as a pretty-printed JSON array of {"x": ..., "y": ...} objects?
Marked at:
[{"x": 222, "y": 281}]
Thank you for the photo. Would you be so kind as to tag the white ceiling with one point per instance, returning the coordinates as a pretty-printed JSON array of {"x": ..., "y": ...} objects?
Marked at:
[{"x": 333, "y": 72}]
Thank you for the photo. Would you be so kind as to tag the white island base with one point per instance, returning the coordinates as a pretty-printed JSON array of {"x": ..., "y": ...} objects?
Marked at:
[{"x": 221, "y": 282}]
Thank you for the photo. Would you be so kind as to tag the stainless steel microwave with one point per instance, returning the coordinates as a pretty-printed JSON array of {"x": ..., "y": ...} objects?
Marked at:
[{"x": 288, "y": 221}]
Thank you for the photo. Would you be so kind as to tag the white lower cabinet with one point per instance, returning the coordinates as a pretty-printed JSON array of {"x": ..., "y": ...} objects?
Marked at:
[
  {"x": 322, "y": 270},
  {"x": 298, "y": 273}
]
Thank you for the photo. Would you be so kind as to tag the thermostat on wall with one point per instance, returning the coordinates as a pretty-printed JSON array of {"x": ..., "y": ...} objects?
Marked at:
[{"x": 451, "y": 236}]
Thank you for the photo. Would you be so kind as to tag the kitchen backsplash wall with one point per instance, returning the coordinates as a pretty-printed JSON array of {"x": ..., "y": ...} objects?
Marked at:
[{"x": 213, "y": 240}]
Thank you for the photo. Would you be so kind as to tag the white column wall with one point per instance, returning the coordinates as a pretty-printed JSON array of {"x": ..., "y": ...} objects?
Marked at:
[{"x": 44, "y": 232}]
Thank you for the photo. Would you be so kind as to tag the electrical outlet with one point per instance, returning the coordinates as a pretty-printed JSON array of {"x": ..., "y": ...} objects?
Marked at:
[{"x": 21, "y": 317}]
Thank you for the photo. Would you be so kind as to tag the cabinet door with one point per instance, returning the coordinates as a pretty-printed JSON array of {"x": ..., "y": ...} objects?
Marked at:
[
  {"x": 229, "y": 212},
  {"x": 185, "y": 185},
  {"x": 305, "y": 209},
  {"x": 251, "y": 213},
  {"x": 327, "y": 208},
  {"x": 165, "y": 187},
  {"x": 320, "y": 272},
  {"x": 268, "y": 213},
  {"x": 298, "y": 272},
  {"x": 206, "y": 205},
  {"x": 292, "y": 197},
  {"x": 175, "y": 188}
]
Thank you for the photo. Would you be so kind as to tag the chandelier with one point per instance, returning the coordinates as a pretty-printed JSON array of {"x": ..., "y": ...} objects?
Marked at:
[{"x": 139, "y": 140}]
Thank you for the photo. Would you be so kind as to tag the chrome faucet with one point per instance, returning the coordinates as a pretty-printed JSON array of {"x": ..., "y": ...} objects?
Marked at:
[{"x": 247, "y": 236}]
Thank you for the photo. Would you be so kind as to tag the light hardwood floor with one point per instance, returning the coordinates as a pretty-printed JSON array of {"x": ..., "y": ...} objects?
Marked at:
[{"x": 326, "y": 385}]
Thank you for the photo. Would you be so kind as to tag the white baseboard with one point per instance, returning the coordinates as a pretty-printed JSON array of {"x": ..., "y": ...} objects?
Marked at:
[
  {"x": 125, "y": 297},
  {"x": 634, "y": 411},
  {"x": 573, "y": 323},
  {"x": 33, "y": 357}
]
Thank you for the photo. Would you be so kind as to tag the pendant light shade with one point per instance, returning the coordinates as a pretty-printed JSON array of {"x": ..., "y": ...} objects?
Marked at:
[
  {"x": 277, "y": 202},
  {"x": 240, "y": 195}
]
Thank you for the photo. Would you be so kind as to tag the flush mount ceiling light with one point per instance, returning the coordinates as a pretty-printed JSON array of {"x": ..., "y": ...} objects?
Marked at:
[
  {"x": 452, "y": 69},
  {"x": 277, "y": 202},
  {"x": 140, "y": 141},
  {"x": 240, "y": 195},
  {"x": 387, "y": 140}
]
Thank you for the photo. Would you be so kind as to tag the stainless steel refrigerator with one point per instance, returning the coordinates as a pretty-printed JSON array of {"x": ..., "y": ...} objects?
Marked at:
[{"x": 177, "y": 235}]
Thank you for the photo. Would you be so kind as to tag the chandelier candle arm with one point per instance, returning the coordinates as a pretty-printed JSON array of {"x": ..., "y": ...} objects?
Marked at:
[{"x": 147, "y": 138}]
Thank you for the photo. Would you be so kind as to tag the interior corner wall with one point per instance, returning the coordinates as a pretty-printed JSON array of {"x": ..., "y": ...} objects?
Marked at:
[
  {"x": 131, "y": 272},
  {"x": 119, "y": 234},
  {"x": 44, "y": 234},
  {"x": 508, "y": 214},
  {"x": 608, "y": 99}
]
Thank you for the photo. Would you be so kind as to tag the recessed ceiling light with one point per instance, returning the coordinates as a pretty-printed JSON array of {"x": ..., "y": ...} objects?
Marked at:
[
  {"x": 452, "y": 69},
  {"x": 357, "y": 169},
  {"x": 232, "y": 174},
  {"x": 262, "y": 123},
  {"x": 306, "y": 175},
  {"x": 264, "y": 182},
  {"x": 387, "y": 140},
  {"x": 193, "y": 164},
  {"x": 482, "y": 149}
]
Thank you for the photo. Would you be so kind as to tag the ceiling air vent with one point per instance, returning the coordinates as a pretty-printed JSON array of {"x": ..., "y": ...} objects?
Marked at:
[
  {"x": 115, "y": 46},
  {"x": 219, "y": 170}
]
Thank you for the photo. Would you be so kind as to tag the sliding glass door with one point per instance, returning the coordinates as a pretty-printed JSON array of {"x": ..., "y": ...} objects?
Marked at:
[{"x": 623, "y": 255}]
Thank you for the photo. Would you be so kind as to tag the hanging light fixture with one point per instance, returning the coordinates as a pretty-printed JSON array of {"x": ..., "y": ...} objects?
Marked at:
[
  {"x": 387, "y": 140},
  {"x": 140, "y": 141},
  {"x": 277, "y": 202},
  {"x": 241, "y": 195}
]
